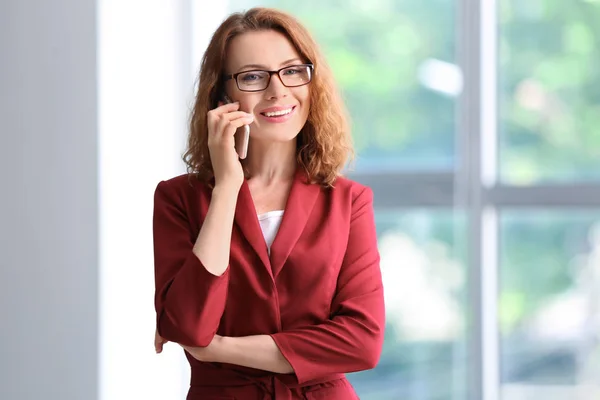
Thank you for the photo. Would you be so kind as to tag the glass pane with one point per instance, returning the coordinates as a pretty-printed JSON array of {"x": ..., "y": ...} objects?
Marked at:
[
  {"x": 422, "y": 261},
  {"x": 550, "y": 305},
  {"x": 394, "y": 61},
  {"x": 550, "y": 90}
]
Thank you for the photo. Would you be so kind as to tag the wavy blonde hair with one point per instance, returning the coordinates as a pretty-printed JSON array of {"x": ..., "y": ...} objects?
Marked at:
[{"x": 324, "y": 144}]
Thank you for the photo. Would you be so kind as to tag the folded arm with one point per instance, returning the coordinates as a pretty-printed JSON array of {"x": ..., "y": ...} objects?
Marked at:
[
  {"x": 191, "y": 277},
  {"x": 351, "y": 340}
]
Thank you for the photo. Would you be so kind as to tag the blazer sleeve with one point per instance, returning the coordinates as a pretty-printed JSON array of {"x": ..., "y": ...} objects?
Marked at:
[
  {"x": 189, "y": 300},
  {"x": 352, "y": 339}
]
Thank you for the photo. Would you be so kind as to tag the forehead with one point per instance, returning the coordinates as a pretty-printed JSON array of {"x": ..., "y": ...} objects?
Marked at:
[{"x": 268, "y": 48}]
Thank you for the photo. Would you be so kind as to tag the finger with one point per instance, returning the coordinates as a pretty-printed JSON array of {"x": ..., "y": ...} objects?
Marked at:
[
  {"x": 228, "y": 128},
  {"x": 235, "y": 115},
  {"x": 226, "y": 125},
  {"x": 226, "y": 119},
  {"x": 214, "y": 115},
  {"x": 227, "y": 107},
  {"x": 159, "y": 341}
]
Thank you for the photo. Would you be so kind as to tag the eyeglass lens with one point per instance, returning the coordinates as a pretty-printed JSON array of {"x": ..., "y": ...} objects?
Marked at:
[{"x": 259, "y": 80}]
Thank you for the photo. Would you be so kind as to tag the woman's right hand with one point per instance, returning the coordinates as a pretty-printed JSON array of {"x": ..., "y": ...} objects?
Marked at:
[{"x": 223, "y": 121}]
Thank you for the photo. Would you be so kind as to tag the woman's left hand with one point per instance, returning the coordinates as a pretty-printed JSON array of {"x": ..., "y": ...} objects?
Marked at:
[
  {"x": 208, "y": 353},
  {"x": 159, "y": 341}
]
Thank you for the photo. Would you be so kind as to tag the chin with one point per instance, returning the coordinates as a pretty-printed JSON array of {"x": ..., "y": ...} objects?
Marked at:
[{"x": 279, "y": 136}]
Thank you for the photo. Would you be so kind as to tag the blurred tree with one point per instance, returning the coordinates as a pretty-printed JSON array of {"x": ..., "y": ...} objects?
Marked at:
[
  {"x": 376, "y": 49},
  {"x": 550, "y": 90},
  {"x": 549, "y": 125}
]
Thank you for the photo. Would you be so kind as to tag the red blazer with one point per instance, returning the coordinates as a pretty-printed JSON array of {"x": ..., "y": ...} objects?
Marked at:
[{"x": 319, "y": 294}]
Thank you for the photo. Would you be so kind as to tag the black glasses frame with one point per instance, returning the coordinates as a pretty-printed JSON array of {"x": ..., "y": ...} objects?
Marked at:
[{"x": 271, "y": 73}]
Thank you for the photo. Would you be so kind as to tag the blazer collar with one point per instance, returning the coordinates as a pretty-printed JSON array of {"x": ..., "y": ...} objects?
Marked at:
[{"x": 300, "y": 202}]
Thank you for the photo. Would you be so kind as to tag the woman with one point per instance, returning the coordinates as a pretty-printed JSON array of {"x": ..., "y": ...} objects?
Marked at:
[{"x": 267, "y": 269}]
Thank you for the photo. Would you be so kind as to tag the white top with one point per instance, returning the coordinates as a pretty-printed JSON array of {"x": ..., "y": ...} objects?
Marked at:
[{"x": 269, "y": 223}]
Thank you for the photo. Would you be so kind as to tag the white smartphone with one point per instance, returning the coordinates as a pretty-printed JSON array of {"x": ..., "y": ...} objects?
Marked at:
[{"x": 241, "y": 136}]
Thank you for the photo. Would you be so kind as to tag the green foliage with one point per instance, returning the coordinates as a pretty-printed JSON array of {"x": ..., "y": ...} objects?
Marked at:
[
  {"x": 549, "y": 130},
  {"x": 550, "y": 90},
  {"x": 375, "y": 49}
]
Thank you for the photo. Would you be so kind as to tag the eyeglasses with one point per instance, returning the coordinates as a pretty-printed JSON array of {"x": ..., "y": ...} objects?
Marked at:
[{"x": 257, "y": 80}]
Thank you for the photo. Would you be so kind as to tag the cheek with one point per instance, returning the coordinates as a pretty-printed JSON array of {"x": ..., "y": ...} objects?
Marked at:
[
  {"x": 305, "y": 101},
  {"x": 248, "y": 106},
  {"x": 306, "y": 97},
  {"x": 305, "y": 109},
  {"x": 248, "y": 103}
]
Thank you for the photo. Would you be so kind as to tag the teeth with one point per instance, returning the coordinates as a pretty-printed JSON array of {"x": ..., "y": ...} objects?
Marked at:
[{"x": 278, "y": 113}]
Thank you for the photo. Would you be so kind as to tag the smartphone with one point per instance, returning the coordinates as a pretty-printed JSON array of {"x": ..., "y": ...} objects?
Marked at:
[{"x": 241, "y": 136}]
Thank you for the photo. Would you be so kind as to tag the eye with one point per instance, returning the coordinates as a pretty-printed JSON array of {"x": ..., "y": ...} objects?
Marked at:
[
  {"x": 293, "y": 71},
  {"x": 251, "y": 76}
]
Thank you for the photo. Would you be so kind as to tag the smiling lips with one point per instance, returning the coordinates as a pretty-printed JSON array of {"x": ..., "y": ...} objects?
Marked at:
[{"x": 277, "y": 114}]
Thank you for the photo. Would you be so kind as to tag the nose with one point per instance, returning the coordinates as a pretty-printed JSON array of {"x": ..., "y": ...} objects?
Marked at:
[{"x": 276, "y": 88}]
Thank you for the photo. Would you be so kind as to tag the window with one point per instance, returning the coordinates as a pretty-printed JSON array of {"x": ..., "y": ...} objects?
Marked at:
[
  {"x": 550, "y": 91},
  {"x": 550, "y": 302},
  {"x": 477, "y": 125}
]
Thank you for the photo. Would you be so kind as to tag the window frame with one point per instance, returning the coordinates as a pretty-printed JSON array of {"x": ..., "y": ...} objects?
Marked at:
[
  {"x": 475, "y": 188},
  {"x": 472, "y": 187}
]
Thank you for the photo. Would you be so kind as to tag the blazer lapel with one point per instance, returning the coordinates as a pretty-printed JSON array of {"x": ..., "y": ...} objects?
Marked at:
[
  {"x": 300, "y": 203},
  {"x": 247, "y": 220}
]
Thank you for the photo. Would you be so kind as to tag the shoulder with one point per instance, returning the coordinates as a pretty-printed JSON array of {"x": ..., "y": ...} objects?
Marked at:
[
  {"x": 352, "y": 190},
  {"x": 181, "y": 188}
]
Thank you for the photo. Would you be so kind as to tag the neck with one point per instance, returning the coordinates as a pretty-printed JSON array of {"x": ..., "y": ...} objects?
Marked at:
[{"x": 271, "y": 162}]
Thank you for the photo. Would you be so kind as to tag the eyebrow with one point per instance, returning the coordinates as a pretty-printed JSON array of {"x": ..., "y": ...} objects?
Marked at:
[{"x": 260, "y": 66}]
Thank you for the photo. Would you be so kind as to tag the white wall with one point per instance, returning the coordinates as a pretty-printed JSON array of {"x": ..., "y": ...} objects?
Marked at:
[
  {"x": 145, "y": 80},
  {"x": 48, "y": 200},
  {"x": 94, "y": 99}
]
